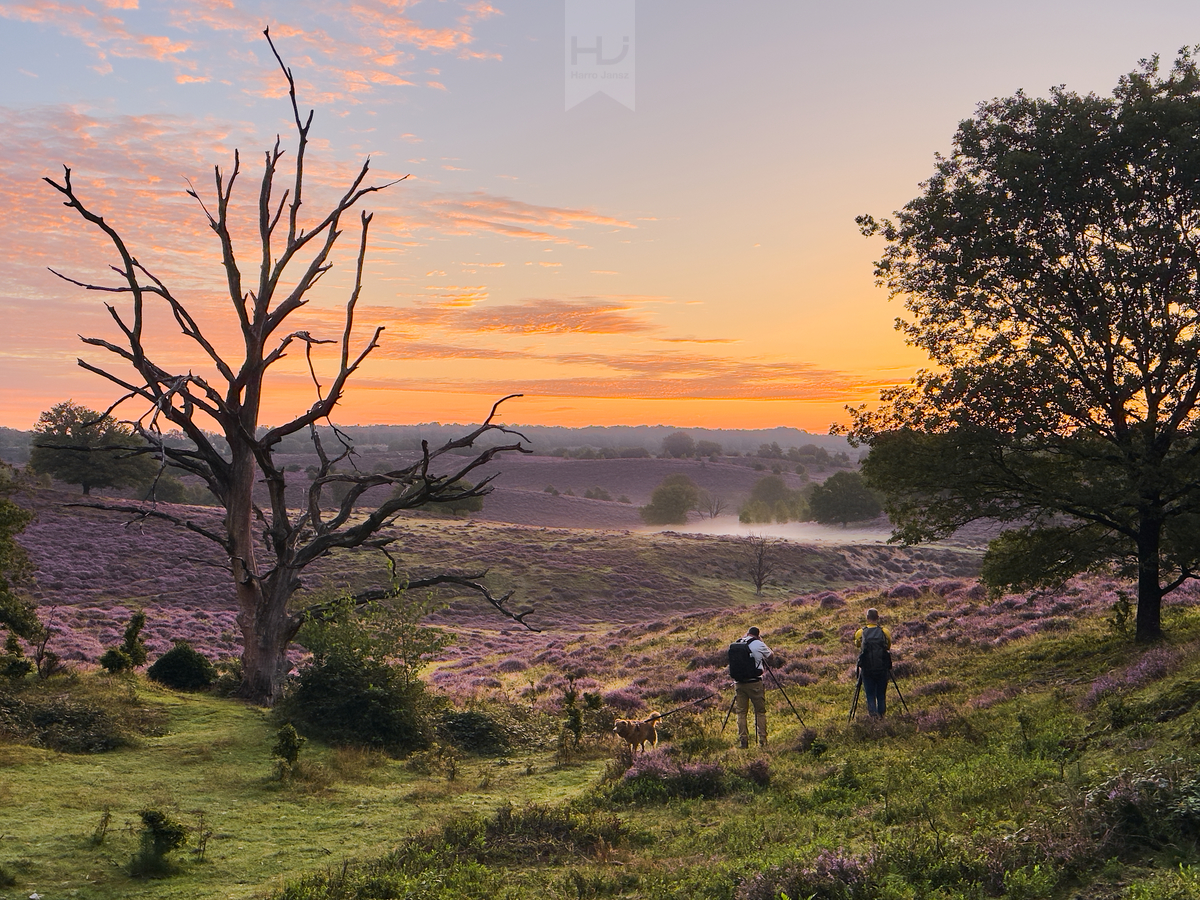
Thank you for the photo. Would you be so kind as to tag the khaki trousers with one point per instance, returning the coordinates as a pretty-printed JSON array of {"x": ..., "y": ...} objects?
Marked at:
[{"x": 751, "y": 692}]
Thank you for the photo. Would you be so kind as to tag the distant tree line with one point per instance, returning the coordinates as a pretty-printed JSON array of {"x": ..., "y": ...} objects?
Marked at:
[{"x": 843, "y": 498}]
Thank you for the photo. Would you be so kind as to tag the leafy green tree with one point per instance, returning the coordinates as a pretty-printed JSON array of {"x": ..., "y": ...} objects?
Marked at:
[
  {"x": 708, "y": 448},
  {"x": 671, "y": 501},
  {"x": 81, "y": 446},
  {"x": 361, "y": 684},
  {"x": 17, "y": 614},
  {"x": 843, "y": 498},
  {"x": 771, "y": 500},
  {"x": 1051, "y": 274},
  {"x": 679, "y": 444}
]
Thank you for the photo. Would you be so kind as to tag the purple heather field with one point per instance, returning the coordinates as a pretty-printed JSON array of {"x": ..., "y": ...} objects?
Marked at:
[{"x": 613, "y": 605}]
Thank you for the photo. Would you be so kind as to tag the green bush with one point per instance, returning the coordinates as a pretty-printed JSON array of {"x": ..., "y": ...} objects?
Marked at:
[
  {"x": 671, "y": 501},
  {"x": 288, "y": 745},
  {"x": 160, "y": 835},
  {"x": 71, "y": 726},
  {"x": 14, "y": 664},
  {"x": 342, "y": 700},
  {"x": 474, "y": 732},
  {"x": 360, "y": 686},
  {"x": 132, "y": 652},
  {"x": 182, "y": 668}
]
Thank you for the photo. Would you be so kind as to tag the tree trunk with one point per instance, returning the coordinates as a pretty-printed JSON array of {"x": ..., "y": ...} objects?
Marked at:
[
  {"x": 1150, "y": 594},
  {"x": 267, "y": 631}
]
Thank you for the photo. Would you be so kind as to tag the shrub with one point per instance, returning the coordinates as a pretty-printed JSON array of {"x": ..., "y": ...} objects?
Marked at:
[
  {"x": 534, "y": 831},
  {"x": 132, "y": 652},
  {"x": 182, "y": 668},
  {"x": 287, "y": 749},
  {"x": 160, "y": 835},
  {"x": 671, "y": 501},
  {"x": 360, "y": 686},
  {"x": 832, "y": 875},
  {"x": 71, "y": 726},
  {"x": 343, "y": 699},
  {"x": 474, "y": 732},
  {"x": 14, "y": 665},
  {"x": 656, "y": 778}
]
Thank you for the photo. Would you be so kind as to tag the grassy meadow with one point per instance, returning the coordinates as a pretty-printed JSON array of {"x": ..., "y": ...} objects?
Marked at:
[{"x": 1043, "y": 754}]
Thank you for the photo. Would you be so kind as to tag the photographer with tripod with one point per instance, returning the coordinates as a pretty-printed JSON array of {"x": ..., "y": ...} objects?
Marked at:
[
  {"x": 874, "y": 663},
  {"x": 747, "y": 657}
]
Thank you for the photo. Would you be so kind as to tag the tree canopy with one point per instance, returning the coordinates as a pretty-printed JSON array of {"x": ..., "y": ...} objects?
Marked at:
[
  {"x": 81, "y": 446},
  {"x": 679, "y": 444},
  {"x": 771, "y": 500},
  {"x": 843, "y": 498},
  {"x": 671, "y": 501},
  {"x": 1051, "y": 269}
]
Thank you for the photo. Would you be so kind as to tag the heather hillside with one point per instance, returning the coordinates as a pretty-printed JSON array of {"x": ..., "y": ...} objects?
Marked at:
[
  {"x": 94, "y": 567},
  {"x": 1038, "y": 753}
]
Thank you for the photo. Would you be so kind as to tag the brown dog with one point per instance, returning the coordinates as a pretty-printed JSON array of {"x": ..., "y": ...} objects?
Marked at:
[{"x": 638, "y": 734}]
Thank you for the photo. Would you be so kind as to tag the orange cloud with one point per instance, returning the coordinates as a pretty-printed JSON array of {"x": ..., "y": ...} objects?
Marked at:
[
  {"x": 478, "y": 211},
  {"x": 554, "y": 317},
  {"x": 105, "y": 33}
]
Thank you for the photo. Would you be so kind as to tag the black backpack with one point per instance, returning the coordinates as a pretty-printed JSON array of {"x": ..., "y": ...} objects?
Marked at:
[
  {"x": 875, "y": 658},
  {"x": 741, "y": 662}
]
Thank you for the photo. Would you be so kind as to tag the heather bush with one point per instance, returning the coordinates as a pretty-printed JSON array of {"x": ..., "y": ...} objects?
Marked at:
[
  {"x": 183, "y": 668},
  {"x": 832, "y": 875},
  {"x": 534, "y": 832},
  {"x": 655, "y": 777},
  {"x": 1151, "y": 808}
]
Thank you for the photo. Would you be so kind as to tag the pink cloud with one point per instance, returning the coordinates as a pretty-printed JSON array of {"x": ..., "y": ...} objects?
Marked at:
[
  {"x": 104, "y": 33},
  {"x": 368, "y": 44}
]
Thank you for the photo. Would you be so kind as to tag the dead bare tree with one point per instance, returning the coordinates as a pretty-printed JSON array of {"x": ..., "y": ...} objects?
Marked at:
[
  {"x": 269, "y": 548},
  {"x": 759, "y": 558},
  {"x": 711, "y": 504}
]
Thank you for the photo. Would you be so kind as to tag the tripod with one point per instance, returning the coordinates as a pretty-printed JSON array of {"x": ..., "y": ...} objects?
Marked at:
[
  {"x": 858, "y": 690},
  {"x": 775, "y": 678}
]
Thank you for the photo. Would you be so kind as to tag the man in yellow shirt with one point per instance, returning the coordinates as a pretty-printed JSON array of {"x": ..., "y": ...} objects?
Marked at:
[{"x": 874, "y": 662}]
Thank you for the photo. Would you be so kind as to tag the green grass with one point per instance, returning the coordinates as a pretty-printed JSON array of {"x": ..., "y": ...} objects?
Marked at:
[
  {"x": 991, "y": 787},
  {"x": 214, "y": 761}
]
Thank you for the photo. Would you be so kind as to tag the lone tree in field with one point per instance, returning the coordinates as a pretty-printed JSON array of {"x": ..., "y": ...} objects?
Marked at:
[
  {"x": 670, "y": 502},
  {"x": 1051, "y": 266},
  {"x": 843, "y": 498},
  {"x": 269, "y": 547},
  {"x": 80, "y": 446},
  {"x": 759, "y": 556}
]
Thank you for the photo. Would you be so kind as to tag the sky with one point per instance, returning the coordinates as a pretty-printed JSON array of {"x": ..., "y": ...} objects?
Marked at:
[{"x": 692, "y": 260}]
